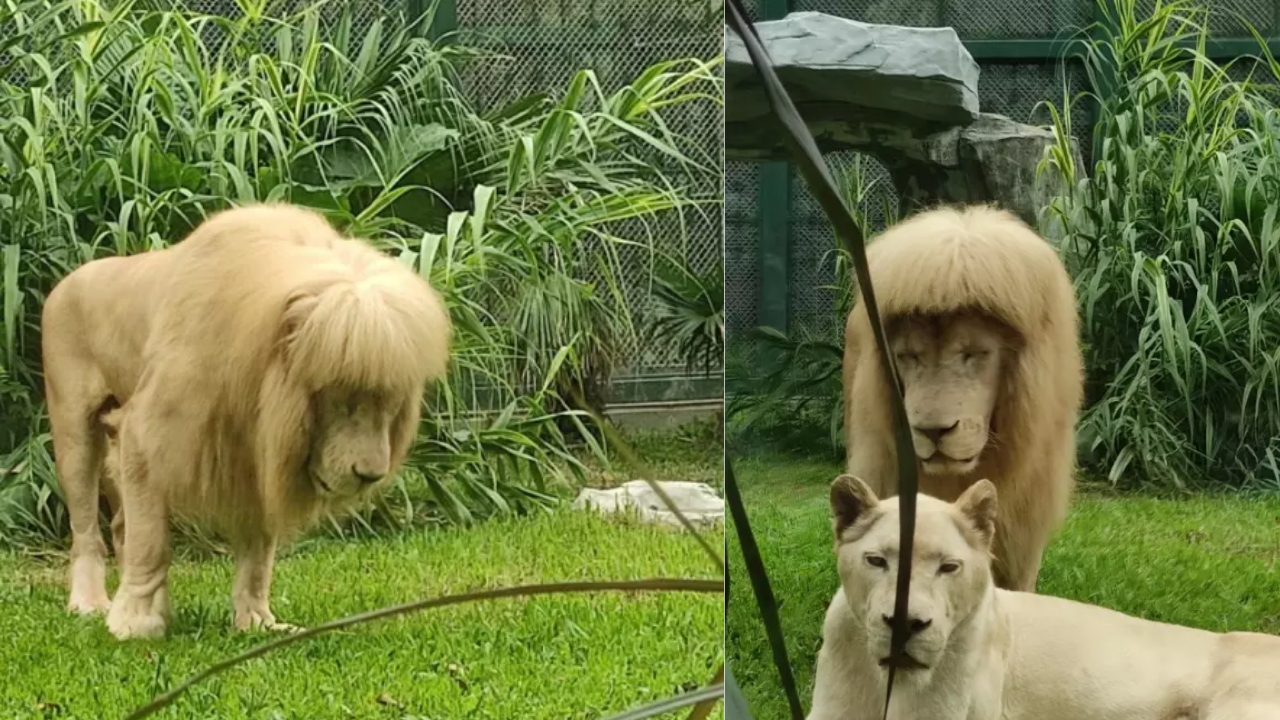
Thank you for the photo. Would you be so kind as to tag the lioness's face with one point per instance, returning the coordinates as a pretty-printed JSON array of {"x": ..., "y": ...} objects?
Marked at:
[
  {"x": 351, "y": 440},
  {"x": 950, "y": 369},
  {"x": 950, "y": 571}
]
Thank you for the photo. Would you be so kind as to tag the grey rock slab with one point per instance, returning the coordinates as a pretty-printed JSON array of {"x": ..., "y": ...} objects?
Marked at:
[
  {"x": 854, "y": 82},
  {"x": 698, "y": 502}
]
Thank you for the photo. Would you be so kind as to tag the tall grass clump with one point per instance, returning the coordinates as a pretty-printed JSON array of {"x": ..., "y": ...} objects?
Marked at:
[
  {"x": 1172, "y": 242},
  {"x": 123, "y": 125}
]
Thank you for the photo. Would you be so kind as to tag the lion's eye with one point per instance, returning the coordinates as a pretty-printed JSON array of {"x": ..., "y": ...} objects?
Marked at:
[
  {"x": 904, "y": 358},
  {"x": 972, "y": 355},
  {"x": 877, "y": 562},
  {"x": 948, "y": 568}
]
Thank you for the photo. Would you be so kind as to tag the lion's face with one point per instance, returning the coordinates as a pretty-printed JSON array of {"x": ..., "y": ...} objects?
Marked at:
[
  {"x": 950, "y": 368},
  {"x": 950, "y": 572},
  {"x": 352, "y": 440}
]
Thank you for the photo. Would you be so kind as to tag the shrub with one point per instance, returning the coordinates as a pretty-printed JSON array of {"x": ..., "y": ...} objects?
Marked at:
[
  {"x": 122, "y": 127},
  {"x": 688, "y": 313},
  {"x": 1173, "y": 246}
]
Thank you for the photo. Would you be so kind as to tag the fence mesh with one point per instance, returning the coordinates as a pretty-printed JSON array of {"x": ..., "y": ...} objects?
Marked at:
[
  {"x": 543, "y": 42},
  {"x": 742, "y": 246}
]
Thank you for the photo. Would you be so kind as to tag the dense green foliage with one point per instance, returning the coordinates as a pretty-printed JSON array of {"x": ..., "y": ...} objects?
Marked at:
[
  {"x": 1172, "y": 241},
  {"x": 122, "y": 126},
  {"x": 688, "y": 313}
]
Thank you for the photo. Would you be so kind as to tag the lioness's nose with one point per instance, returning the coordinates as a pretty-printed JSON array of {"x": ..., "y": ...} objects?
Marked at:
[
  {"x": 368, "y": 477},
  {"x": 915, "y": 625},
  {"x": 935, "y": 432}
]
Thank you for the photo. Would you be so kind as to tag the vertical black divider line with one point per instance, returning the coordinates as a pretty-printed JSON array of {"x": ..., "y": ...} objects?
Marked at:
[
  {"x": 809, "y": 160},
  {"x": 760, "y": 586}
]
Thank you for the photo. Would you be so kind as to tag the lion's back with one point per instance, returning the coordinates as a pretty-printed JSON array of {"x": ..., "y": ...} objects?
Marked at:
[
  {"x": 98, "y": 319},
  {"x": 232, "y": 278}
]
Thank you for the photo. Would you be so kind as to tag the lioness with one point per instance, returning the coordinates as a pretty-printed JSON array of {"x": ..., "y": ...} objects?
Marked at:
[{"x": 983, "y": 653}]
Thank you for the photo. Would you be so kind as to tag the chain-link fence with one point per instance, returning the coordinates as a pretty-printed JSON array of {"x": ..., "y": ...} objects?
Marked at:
[
  {"x": 542, "y": 43},
  {"x": 1011, "y": 83}
]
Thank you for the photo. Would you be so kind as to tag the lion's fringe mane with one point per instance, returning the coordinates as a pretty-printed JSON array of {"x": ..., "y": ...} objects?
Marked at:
[
  {"x": 296, "y": 308},
  {"x": 984, "y": 260}
]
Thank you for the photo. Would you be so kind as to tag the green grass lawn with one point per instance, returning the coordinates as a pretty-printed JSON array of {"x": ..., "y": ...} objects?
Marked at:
[
  {"x": 1206, "y": 562},
  {"x": 552, "y": 658}
]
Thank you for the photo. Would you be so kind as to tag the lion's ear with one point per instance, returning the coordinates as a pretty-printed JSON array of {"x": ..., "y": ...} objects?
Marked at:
[
  {"x": 297, "y": 309},
  {"x": 978, "y": 505},
  {"x": 850, "y": 500}
]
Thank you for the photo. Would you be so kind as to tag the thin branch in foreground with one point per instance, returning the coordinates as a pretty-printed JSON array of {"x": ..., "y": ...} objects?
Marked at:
[
  {"x": 703, "y": 709},
  {"x": 653, "y": 584},
  {"x": 709, "y": 693}
]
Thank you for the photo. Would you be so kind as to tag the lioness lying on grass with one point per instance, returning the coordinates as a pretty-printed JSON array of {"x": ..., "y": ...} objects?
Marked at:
[{"x": 990, "y": 654}]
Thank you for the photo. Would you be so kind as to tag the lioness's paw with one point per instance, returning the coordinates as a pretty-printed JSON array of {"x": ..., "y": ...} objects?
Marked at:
[{"x": 129, "y": 619}]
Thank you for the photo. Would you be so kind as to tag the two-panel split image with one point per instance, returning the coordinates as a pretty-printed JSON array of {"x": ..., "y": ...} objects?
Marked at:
[{"x": 623, "y": 359}]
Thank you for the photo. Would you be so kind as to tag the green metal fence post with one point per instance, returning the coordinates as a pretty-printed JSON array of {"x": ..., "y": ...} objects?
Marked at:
[
  {"x": 1107, "y": 81},
  {"x": 445, "y": 19},
  {"x": 774, "y": 207},
  {"x": 775, "y": 244}
]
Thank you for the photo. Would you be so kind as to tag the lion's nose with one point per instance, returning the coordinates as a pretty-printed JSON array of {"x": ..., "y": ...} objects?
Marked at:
[
  {"x": 915, "y": 625},
  {"x": 935, "y": 432},
  {"x": 367, "y": 477}
]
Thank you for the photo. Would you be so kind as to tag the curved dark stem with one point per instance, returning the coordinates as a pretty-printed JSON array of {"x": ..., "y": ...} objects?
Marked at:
[
  {"x": 808, "y": 159},
  {"x": 655, "y": 584}
]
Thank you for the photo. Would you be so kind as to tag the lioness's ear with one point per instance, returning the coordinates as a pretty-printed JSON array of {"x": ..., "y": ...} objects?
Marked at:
[
  {"x": 850, "y": 500},
  {"x": 978, "y": 505}
]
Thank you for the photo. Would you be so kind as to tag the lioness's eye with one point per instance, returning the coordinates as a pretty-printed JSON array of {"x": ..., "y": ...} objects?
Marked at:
[
  {"x": 947, "y": 568},
  {"x": 904, "y": 358},
  {"x": 877, "y": 562}
]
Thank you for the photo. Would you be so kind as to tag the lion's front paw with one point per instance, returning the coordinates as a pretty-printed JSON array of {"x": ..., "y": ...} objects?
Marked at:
[
  {"x": 131, "y": 618},
  {"x": 84, "y": 603},
  {"x": 262, "y": 620},
  {"x": 88, "y": 591}
]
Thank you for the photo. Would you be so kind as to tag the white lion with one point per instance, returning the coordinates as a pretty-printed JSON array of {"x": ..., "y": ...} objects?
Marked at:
[
  {"x": 261, "y": 372},
  {"x": 981, "y": 316},
  {"x": 982, "y": 653}
]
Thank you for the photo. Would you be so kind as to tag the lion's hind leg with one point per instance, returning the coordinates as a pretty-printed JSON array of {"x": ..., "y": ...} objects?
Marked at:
[
  {"x": 79, "y": 447},
  {"x": 140, "y": 608},
  {"x": 111, "y": 479}
]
